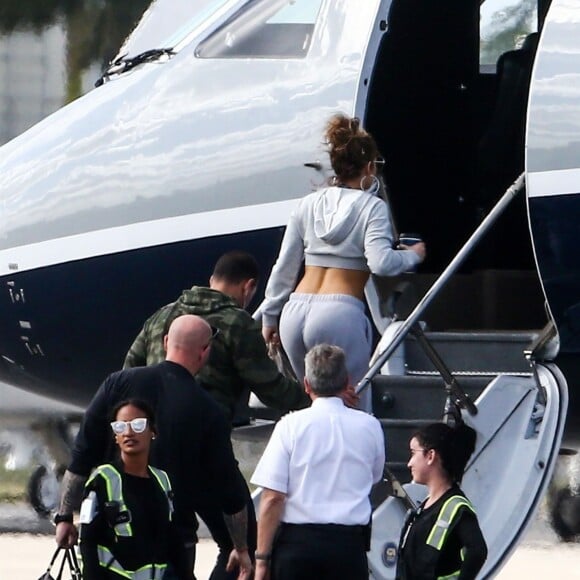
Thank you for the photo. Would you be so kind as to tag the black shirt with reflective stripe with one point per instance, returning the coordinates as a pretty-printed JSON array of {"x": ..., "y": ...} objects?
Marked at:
[
  {"x": 419, "y": 561},
  {"x": 192, "y": 445},
  {"x": 153, "y": 533}
]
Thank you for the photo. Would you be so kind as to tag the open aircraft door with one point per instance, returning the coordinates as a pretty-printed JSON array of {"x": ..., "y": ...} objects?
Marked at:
[
  {"x": 553, "y": 173},
  {"x": 521, "y": 417}
]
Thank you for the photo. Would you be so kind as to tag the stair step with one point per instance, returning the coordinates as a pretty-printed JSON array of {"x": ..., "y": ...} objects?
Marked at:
[
  {"x": 396, "y": 465},
  {"x": 398, "y": 433},
  {"x": 400, "y": 470},
  {"x": 493, "y": 352},
  {"x": 404, "y": 423},
  {"x": 418, "y": 397}
]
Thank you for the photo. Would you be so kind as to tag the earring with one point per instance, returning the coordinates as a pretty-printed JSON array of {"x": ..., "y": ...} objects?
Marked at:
[
  {"x": 152, "y": 436},
  {"x": 374, "y": 187}
]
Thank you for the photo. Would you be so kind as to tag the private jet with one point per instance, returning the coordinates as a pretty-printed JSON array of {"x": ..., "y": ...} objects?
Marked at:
[{"x": 205, "y": 131}]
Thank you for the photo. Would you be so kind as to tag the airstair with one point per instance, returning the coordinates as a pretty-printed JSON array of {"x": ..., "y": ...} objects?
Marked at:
[
  {"x": 406, "y": 402},
  {"x": 503, "y": 384},
  {"x": 500, "y": 383}
]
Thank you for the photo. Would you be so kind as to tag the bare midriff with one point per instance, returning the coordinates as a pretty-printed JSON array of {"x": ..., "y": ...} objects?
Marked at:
[{"x": 318, "y": 280}]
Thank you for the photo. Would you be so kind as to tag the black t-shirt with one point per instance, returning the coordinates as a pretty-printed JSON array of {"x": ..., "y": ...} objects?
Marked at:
[
  {"x": 419, "y": 561},
  {"x": 153, "y": 533},
  {"x": 193, "y": 443}
]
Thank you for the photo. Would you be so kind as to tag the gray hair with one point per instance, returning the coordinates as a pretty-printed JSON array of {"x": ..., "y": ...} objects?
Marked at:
[{"x": 326, "y": 370}]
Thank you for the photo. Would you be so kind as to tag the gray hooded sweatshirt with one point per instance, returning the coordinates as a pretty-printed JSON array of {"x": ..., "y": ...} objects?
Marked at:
[{"x": 334, "y": 227}]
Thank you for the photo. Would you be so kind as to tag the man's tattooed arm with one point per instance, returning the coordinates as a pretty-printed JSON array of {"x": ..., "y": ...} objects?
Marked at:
[
  {"x": 72, "y": 492},
  {"x": 237, "y": 525}
]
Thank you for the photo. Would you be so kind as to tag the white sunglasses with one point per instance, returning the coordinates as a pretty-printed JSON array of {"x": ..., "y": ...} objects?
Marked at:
[{"x": 137, "y": 425}]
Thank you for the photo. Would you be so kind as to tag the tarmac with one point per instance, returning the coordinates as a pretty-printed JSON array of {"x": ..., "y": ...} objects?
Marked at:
[
  {"x": 27, "y": 543},
  {"x": 26, "y": 556}
]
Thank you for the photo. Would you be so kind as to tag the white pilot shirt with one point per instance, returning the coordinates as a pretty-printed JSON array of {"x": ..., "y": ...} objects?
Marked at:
[{"x": 325, "y": 459}]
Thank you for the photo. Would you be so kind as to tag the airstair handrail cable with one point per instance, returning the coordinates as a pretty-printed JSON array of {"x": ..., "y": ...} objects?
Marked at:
[{"x": 413, "y": 318}]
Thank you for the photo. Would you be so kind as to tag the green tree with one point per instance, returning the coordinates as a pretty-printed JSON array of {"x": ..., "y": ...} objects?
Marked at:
[
  {"x": 95, "y": 28},
  {"x": 507, "y": 27}
]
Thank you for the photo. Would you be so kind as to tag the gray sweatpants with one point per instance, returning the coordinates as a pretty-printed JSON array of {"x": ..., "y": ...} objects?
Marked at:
[{"x": 339, "y": 319}]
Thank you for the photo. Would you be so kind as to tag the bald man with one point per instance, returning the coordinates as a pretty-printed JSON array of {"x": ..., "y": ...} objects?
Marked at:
[{"x": 193, "y": 444}]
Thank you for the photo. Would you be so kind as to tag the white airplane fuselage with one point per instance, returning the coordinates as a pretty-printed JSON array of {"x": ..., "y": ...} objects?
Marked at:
[
  {"x": 117, "y": 202},
  {"x": 129, "y": 194}
]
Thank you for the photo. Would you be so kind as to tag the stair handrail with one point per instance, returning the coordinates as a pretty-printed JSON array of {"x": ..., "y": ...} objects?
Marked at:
[{"x": 511, "y": 192}]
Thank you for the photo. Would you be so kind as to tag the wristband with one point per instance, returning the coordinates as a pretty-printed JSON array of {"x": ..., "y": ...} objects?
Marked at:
[
  {"x": 266, "y": 557},
  {"x": 58, "y": 518}
]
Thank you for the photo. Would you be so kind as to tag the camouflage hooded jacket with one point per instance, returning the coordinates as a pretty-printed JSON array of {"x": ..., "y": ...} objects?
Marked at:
[{"x": 238, "y": 356}]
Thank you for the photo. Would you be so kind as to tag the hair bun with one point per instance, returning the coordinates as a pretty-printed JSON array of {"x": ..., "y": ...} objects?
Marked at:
[
  {"x": 340, "y": 129},
  {"x": 350, "y": 146}
]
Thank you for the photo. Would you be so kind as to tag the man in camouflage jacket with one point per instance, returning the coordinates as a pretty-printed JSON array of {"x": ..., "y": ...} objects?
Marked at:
[{"x": 238, "y": 358}]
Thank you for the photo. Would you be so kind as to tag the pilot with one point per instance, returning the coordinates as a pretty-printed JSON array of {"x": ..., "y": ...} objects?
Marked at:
[
  {"x": 317, "y": 472},
  {"x": 193, "y": 444},
  {"x": 442, "y": 538},
  {"x": 341, "y": 233},
  {"x": 127, "y": 511}
]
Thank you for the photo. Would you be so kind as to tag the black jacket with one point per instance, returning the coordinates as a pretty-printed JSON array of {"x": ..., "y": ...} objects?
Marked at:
[
  {"x": 154, "y": 539},
  {"x": 419, "y": 561},
  {"x": 193, "y": 443}
]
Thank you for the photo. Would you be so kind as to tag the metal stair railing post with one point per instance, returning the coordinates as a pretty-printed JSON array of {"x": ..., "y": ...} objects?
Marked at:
[
  {"x": 511, "y": 192},
  {"x": 456, "y": 396}
]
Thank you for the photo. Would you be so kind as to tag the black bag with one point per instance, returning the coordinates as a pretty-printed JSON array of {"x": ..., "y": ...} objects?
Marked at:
[{"x": 68, "y": 564}]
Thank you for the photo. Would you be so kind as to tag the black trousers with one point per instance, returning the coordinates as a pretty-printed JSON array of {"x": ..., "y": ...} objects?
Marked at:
[
  {"x": 319, "y": 552},
  {"x": 182, "y": 568},
  {"x": 213, "y": 517}
]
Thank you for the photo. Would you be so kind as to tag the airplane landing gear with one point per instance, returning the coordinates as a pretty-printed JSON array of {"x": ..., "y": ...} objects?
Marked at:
[
  {"x": 564, "y": 497},
  {"x": 43, "y": 489}
]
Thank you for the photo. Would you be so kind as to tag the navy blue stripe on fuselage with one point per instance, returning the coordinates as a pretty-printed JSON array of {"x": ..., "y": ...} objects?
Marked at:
[
  {"x": 555, "y": 227},
  {"x": 65, "y": 327}
]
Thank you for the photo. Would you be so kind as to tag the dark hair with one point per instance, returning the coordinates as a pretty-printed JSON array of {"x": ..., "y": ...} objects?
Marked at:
[
  {"x": 350, "y": 146},
  {"x": 455, "y": 445},
  {"x": 235, "y": 267},
  {"x": 325, "y": 369},
  {"x": 141, "y": 405}
]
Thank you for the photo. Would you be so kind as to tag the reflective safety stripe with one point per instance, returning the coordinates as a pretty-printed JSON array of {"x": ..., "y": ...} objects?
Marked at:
[
  {"x": 449, "y": 576},
  {"x": 163, "y": 481},
  {"x": 148, "y": 572},
  {"x": 114, "y": 485},
  {"x": 445, "y": 518}
]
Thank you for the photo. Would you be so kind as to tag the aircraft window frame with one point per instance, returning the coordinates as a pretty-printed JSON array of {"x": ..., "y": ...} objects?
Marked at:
[
  {"x": 200, "y": 15},
  {"x": 262, "y": 29},
  {"x": 209, "y": 11},
  {"x": 494, "y": 41}
]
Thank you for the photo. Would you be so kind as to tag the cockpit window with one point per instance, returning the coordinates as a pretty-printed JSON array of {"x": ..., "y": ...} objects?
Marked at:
[
  {"x": 504, "y": 25},
  {"x": 264, "y": 29},
  {"x": 168, "y": 23}
]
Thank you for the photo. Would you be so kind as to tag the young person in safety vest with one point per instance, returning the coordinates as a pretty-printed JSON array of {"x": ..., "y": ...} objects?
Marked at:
[
  {"x": 442, "y": 538},
  {"x": 193, "y": 446},
  {"x": 127, "y": 510}
]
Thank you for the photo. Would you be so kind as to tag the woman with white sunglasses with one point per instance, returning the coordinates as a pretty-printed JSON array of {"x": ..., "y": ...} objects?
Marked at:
[{"x": 126, "y": 514}]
